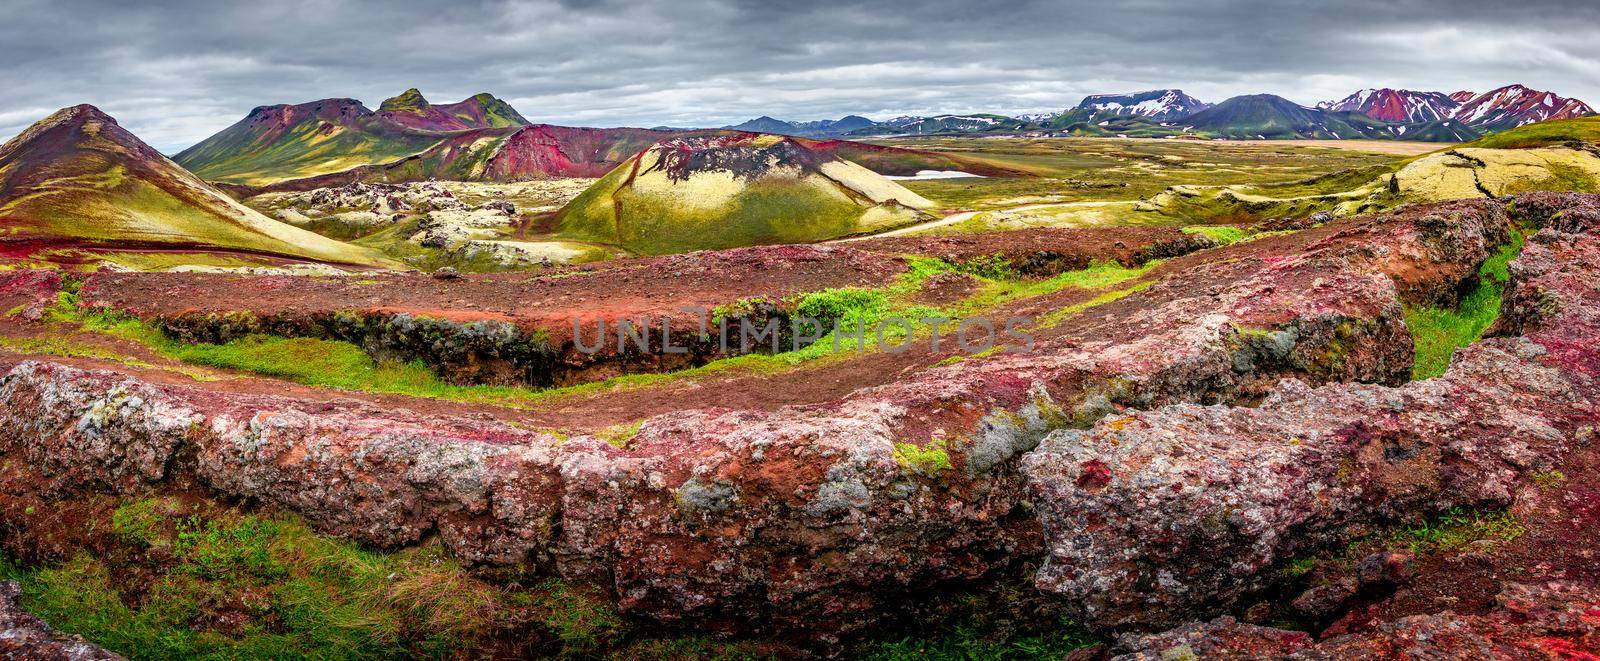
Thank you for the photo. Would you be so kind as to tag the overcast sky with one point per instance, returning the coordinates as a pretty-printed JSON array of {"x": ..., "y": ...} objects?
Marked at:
[{"x": 178, "y": 72}]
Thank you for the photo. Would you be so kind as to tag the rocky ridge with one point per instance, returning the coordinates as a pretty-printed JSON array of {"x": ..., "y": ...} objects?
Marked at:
[{"x": 812, "y": 518}]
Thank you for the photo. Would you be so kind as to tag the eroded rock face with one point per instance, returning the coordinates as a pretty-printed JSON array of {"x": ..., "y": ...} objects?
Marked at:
[
  {"x": 349, "y": 468},
  {"x": 1159, "y": 515},
  {"x": 1551, "y": 621},
  {"x": 23, "y": 636}
]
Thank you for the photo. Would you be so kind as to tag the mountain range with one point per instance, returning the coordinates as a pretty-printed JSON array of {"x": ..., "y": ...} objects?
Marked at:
[
  {"x": 78, "y": 188},
  {"x": 76, "y": 185},
  {"x": 1154, "y": 104},
  {"x": 1399, "y": 106},
  {"x": 482, "y": 138},
  {"x": 1371, "y": 113},
  {"x": 337, "y": 141}
]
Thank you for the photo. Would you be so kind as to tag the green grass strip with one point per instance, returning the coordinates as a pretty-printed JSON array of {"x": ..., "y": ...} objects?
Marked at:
[{"x": 1437, "y": 331}]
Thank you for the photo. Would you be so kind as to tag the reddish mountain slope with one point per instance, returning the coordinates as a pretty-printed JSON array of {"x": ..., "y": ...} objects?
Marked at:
[
  {"x": 1515, "y": 105},
  {"x": 544, "y": 150},
  {"x": 1392, "y": 105}
]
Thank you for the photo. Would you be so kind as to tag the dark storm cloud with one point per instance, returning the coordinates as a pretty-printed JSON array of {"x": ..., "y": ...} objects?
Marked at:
[{"x": 179, "y": 71}]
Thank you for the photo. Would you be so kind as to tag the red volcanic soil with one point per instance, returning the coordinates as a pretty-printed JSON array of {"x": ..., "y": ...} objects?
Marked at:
[
  {"x": 627, "y": 289},
  {"x": 1561, "y": 543},
  {"x": 1046, "y": 251},
  {"x": 662, "y": 285},
  {"x": 658, "y": 287},
  {"x": 566, "y": 151}
]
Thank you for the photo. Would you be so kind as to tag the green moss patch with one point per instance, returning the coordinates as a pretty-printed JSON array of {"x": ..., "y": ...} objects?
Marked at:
[
  {"x": 1222, "y": 234},
  {"x": 969, "y": 643},
  {"x": 189, "y": 579},
  {"x": 1437, "y": 332},
  {"x": 928, "y": 459},
  {"x": 1543, "y": 134},
  {"x": 1453, "y": 530}
]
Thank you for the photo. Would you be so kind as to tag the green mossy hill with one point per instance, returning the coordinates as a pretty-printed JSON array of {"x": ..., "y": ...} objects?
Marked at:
[
  {"x": 409, "y": 100},
  {"x": 284, "y": 142},
  {"x": 1542, "y": 134},
  {"x": 77, "y": 180},
  {"x": 1479, "y": 172},
  {"x": 730, "y": 191},
  {"x": 275, "y": 143},
  {"x": 479, "y": 111}
]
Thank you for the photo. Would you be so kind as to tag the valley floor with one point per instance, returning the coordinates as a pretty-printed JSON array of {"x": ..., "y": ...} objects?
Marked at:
[{"x": 1391, "y": 147}]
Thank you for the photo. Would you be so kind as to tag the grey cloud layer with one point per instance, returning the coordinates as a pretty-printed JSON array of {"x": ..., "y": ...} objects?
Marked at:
[{"x": 177, "y": 72}]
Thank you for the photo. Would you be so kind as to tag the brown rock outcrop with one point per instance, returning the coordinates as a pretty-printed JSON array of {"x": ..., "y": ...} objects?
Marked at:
[{"x": 1158, "y": 516}]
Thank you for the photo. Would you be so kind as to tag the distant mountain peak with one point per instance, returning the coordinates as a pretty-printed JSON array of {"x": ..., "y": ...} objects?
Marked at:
[
  {"x": 1155, "y": 104},
  {"x": 409, "y": 100},
  {"x": 1395, "y": 105},
  {"x": 765, "y": 124},
  {"x": 1516, "y": 105},
  {"x": 481, "y": 110}
]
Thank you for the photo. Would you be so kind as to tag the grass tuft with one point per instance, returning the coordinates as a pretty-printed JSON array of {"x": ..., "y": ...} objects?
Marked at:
[{"x": 1455, "y": 529}]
